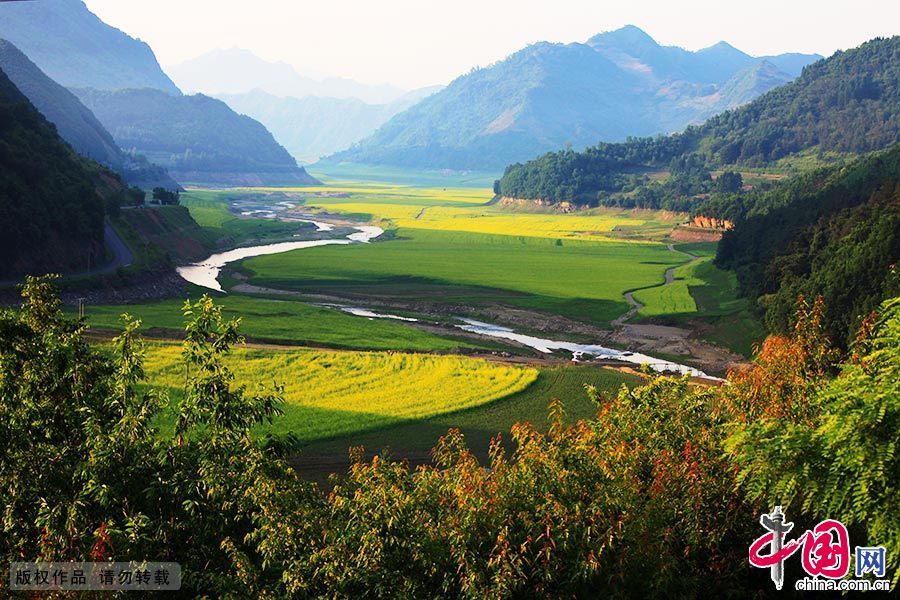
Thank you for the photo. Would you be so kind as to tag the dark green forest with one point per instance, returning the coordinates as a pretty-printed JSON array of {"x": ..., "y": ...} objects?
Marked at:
[
  {"x": 833, "y": 233},
  {"x": 52, "y": 201},
  {"x": 848, "y": 103}
]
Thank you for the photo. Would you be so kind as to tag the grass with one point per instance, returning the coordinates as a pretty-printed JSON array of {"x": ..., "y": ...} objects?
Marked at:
[
  {"x": 330, "y": 394},
  {"x": 483, "y": 422},
  {"x": 577, "y": 279},
  {"x": 290, "y": 322}
]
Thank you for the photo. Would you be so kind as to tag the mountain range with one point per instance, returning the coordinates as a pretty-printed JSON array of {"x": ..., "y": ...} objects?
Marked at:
[
  {"x": 238, "y": 71},
  {"x": 839, "y": 107},
  {"x": 76, "y": 124},
  {"x": 52, "y": 201},
  {"x": 197, "y": 138},
  {"x": 550, "y": 96}
]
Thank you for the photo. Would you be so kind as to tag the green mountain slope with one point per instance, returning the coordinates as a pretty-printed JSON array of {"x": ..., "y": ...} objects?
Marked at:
[
  {"x": 848, "y": 103},
  {"x": 51, "y": 200},
  {"x": 833, "y": 233},
  {"x": 550, "y": 96},
  {"x": 197, "y": 138},
  {"x": 76, "y": 49},
  {"x": 75, "y": 123}
]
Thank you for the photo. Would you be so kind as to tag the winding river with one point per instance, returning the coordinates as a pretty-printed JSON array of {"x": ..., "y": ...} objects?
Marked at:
[{"x": 206, "y": 273}]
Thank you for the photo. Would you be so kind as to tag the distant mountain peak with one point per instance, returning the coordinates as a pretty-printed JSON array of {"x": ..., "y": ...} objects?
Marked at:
[
  {"x": 627, "y": 37},
  {"x": 723, "y": 48}
]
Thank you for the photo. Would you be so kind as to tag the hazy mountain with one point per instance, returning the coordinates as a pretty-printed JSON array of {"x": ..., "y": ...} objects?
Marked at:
[
  {"x": 239, "y": 71},
  {"x": 76, "y": 123},
  {"x": 314, "y": 126},
  {"x": 51, "y": 200},
  {"x": 197, "y": 138},
  {"x": 549, "y": 96},
  {"x": 76, "y": 49}
]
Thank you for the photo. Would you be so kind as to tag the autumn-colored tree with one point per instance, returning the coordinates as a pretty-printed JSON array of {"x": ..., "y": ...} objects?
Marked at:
[{"x": 840, "y": 457}]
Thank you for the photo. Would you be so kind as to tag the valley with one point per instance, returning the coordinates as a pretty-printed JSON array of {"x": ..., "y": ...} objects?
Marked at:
[
  {"x": 490, "y": 300},
  {"x": 440, "y": 257}
]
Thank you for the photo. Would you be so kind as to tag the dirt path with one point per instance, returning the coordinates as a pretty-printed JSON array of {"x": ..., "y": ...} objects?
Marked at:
[{"x": 668, "y": 279}]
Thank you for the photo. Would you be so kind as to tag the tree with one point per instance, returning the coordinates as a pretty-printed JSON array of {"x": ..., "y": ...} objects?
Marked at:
[
  {"x": 729, "y": 182},
  {"x": 166, "y": 197}
]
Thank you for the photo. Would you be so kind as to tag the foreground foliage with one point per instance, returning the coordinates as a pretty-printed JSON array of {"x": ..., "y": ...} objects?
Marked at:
[{"x": 657, "y": 496}]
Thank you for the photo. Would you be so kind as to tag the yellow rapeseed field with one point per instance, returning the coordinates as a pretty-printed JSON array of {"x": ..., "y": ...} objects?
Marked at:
[{"x": 331, "y": 393}]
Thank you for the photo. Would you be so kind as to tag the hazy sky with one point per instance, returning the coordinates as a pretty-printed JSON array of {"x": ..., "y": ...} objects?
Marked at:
[{"x": 412, "y": 43}]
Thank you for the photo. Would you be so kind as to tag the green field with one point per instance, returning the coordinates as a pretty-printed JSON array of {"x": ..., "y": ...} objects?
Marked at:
[
  {"x": 706, "y": 293},
  {"x": 288, "y": 322},
  {"x": 580, "y": 280},
  {"x": 445, "y": 248},
  {"x": 337, "y": 394}
]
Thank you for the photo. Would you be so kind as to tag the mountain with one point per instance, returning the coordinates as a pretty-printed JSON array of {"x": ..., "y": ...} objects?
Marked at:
[
  {"x": 76, "y": 49},
  {"x": 549, "y": 96},
  {"x": 52, "y": 201},
  {"x": 239, "y": 71},
  {"x": 197, "y": 138},
  {"x": 313, "y": 126},
  {"x": 76, "y": 124},
  {"x": 847, "y": 104}
]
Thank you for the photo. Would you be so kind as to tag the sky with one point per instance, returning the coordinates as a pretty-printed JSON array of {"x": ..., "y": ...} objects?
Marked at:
[{"x": 414, "y": 43}]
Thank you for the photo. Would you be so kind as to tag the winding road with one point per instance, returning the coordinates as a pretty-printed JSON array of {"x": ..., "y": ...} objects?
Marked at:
[
  {"x": 669, "y": 278},
  {"x": 122, "y": 256}
]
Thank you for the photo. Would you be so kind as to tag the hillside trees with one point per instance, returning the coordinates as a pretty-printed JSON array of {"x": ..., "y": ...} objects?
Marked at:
[{"x": 659, "y": 495}]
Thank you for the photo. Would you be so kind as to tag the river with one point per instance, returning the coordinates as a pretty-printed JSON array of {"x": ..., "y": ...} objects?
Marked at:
[
  {"x": 578, "y": 351},
  {"x": 206, "y": 273}
]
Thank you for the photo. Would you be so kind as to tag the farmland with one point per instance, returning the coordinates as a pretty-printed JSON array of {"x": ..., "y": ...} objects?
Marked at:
[
  {"x": 445, "y": 250},
  {"x": 580, "y": 280},
  {"x": 482, "y": 422},
  {"x": 329, "y": 394}
]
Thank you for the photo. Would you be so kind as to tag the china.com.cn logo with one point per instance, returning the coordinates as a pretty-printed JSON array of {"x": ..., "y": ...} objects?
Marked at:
[{"x": 824, "y": 552}]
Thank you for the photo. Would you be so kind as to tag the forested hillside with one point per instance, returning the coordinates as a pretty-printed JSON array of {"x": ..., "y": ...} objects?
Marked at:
[
  {"x": 848, "y": 103},
  {"x": 197, "y": 138},
  {"x": 76, "y": 124},
  {"x": 834, "y": 233},
  {"x": 52, "y": 201}
]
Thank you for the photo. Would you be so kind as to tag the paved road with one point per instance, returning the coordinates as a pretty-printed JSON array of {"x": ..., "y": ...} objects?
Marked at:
[{"x": 122, "y": 256}]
